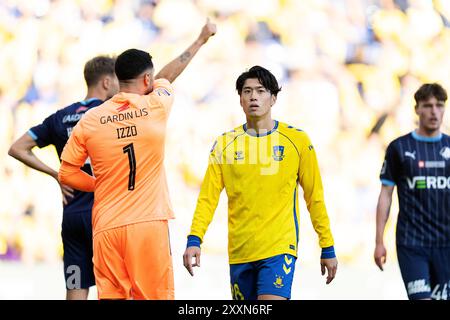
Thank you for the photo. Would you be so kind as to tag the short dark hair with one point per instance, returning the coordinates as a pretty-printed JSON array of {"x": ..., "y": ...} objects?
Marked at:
[
  {"x": 264, "y": 76},
  {"x": 97, "y": 67},
  {"x": 131, "y": 63},
  {"x": 429, "y": 90}
]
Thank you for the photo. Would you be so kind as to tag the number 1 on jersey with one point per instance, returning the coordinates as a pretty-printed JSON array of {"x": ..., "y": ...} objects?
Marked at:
[{"x": 132, "y": 162}]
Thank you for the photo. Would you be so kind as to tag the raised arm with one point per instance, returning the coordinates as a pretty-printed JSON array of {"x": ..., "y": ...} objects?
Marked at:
[
  {"x": 383, "y": 208},
  {"x": 174, "y": 68}
]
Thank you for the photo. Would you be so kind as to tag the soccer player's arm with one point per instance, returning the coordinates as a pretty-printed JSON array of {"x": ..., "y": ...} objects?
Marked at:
[
  {"x": 21, "y": 150},
  {"x": 40, "y": 136},
  {"x": 209, "y": 196},
  {"x": 174, "y": 68},
  {"x": 208, "y": 199},
  {"x": 388, "y": 181},
  {"x": 311, "y": 182},
  {"x": 73, "y": 158}
]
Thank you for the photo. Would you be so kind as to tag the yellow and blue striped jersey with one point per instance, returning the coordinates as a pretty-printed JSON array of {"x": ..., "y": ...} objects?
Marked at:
[{"x": 261, "y": 174}]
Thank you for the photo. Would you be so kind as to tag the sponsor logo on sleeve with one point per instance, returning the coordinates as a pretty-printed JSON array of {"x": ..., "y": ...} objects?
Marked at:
[{"x": 162, "y": 92}]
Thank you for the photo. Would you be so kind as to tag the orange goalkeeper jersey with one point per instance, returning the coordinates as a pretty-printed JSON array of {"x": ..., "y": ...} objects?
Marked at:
[{"x": 124, "y": 139}]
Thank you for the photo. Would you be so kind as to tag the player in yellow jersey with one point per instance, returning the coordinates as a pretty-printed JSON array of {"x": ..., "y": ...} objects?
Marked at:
[
  {"x": 260, "y": 164},
  {"x": 124, "y": 138}
]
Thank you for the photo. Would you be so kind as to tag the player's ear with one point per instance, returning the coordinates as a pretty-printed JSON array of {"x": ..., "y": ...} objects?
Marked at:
[
  {"x": 148, "y": 82},
  {"x": 273, "y": 99},
  {"x": 106, "y": 82},
  {"x": 147, "y": 79}
]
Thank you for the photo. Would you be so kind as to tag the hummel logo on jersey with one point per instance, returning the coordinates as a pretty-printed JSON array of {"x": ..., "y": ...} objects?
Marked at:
[
  {"x": 238, "y": 155},
  {"x": 445, "y": 153},
  {"x": 422, "y": 182},
  {"x": 410, "y": 154},
  {"x": 123, "y": 107}
]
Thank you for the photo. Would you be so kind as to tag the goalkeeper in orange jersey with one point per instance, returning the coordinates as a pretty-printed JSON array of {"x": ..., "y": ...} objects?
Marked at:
[{"x": 124, "y": 139}]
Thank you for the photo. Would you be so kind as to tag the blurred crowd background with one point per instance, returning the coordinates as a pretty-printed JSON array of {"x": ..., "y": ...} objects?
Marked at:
[{"x": 348, "y": 71}]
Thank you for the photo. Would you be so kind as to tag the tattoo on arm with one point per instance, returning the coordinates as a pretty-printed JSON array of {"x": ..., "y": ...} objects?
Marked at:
[{"x": 185, "y": 56}]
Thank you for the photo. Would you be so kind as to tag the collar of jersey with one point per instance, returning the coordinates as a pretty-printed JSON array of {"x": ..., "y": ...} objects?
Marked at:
[
  {"x": 262, "y": 134},
  {"x": 124, "y": 96},
  {"x": 426, "y": 139},
  {"x": 86, "y": 102}
]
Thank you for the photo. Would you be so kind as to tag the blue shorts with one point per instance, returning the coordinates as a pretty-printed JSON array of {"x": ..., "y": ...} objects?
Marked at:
[
  {"x": 268, "y": 276},
  {"x": 77, "y": 242},
  {"x": 425, "y": 272}
]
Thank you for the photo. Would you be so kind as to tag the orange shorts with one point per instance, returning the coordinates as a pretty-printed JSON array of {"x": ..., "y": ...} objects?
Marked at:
[{"x": 134, "y": 262}]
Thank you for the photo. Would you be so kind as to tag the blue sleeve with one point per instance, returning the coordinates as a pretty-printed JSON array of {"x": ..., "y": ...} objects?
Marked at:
[
  {"x": 389, "y": 174},
  {"x": 193, "y": 241},
  {"x": 43, "y": 133},
  {"x": 328, "y": 253}
]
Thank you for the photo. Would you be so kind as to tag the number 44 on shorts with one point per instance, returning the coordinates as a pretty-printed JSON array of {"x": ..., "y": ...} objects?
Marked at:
[{"x": 440, "y": 294}]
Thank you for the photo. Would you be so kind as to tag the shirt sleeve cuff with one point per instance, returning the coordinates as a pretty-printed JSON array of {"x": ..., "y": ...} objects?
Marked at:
[
  {"x": 193, "y": 241},
  {"x": 32, "y": 135},
  {"x": 328, "y": 253},
  {"x": 387, "y": 182}
]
